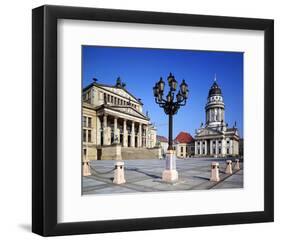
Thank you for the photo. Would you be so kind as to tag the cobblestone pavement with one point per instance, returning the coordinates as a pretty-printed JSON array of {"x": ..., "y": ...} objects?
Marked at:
[{"x": 145, "y": 176}]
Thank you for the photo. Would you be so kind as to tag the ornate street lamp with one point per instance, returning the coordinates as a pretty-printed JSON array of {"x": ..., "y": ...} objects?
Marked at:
[{"x": 171, "y": 106}]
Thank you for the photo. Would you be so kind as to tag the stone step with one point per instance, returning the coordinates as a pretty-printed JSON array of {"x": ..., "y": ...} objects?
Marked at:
[{"x": 138, "y": 153}]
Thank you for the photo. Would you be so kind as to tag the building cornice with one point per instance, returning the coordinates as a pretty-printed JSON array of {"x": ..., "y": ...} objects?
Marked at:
[{"x": 101, "y": 86}]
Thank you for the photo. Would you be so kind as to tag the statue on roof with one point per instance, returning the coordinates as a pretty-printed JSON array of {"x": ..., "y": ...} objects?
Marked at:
[{"x": 118, "y": 82}]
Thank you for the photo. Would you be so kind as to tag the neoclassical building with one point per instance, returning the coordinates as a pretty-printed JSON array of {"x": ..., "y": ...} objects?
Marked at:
[
  {"x": 112, "y": 115},
  {"x": 215, "y": 138},
  {"x": 162, "y": 142}
]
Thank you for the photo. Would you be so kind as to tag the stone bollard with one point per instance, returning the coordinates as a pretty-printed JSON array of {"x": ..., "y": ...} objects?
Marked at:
[
  {"x": 86, "y": 168},
  {"x": 119, "y": 177},
  {"x": 215, "y": 177},
  {"x": 170, "y": 173},
  {"x": 228, "y": 169},
  {"x": 237, "y": 165}
]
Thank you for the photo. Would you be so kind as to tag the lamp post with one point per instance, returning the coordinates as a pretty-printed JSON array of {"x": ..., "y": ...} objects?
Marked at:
[{"x": 171, "y": 105}]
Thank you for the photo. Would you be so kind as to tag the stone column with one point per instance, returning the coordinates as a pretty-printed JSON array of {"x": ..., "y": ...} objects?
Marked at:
[
  {"x": 115, "y": 132},
  {"x": 146, "y": 136},
  {"x": 195, "y": 151},
  {"x": 230, "y": 146},
  {"x": 98, "y": 130},
  {"x": 133, "y": 135},
  {"x": 140, "y": 136},
  {"x": 206, "y": 147},
  {"x": 200, "y": 147},
  {"x": 125, "y": 134},
  {"x": 106, "y": 131},
  {"x": 217, "y": 147},
  {"x": 223, "y": 147},
  {"x": 211, "y": 146}
]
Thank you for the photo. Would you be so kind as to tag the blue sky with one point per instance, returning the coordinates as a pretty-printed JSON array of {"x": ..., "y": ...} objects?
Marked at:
[{"x": 140, "y": 68}]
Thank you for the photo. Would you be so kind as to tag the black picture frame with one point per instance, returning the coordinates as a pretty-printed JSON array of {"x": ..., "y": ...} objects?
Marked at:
[{"x": 44, "y": 120}]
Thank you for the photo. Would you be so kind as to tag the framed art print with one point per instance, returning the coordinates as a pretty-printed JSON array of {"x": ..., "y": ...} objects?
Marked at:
[{"x": 149, "y": 120}]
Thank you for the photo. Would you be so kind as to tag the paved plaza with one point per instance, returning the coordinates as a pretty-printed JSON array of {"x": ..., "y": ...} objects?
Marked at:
[{"x": 145, "y": 176}]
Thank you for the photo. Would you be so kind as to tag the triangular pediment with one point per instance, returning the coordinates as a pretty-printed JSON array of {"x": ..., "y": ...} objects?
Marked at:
[
  {"x": 120, "y": 92},
  {"x": 128, "y": 110},
  {"x": 206, "y": 132}
]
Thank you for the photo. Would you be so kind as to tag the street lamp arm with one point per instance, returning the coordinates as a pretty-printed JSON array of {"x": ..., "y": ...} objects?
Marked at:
[
  {"x": 182, "y": 102},
  {"x": 162, "y": 102}
]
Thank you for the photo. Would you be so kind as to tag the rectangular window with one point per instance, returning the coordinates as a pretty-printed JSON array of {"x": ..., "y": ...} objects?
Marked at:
[
  {"x": 219, "y": 150},
  {"x": 84, "y": 135},
  {"x": 84, "y": 121},
  {"x": 219, "y": 141},
  {"x": 181, "y": 149},
  {"x": 227, "y": 151},
  {"x": 90, "y": 122},
  {"x": 214, "y": 151},
  {"x": 89, "y": 135}
]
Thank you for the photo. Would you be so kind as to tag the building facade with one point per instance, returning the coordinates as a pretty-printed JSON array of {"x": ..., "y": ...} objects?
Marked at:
[
  {"x": 184, "y": 145},
  {"x": 215, "y": 138},
  {"x": 112, "y": 115},
  {"x": 162, "y": 141}
]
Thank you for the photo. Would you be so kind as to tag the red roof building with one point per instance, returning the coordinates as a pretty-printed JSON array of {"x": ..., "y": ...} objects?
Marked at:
[{"x": 183, "y": 137}]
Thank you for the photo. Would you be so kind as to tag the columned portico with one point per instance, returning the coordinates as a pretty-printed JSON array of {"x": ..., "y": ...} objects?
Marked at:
[{"x": 118, "y": 130}]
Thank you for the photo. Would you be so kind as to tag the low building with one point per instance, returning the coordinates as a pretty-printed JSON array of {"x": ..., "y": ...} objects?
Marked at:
[
  {"x": 162, "y": 141},
  {"x": 184, "y": 145},
  {"x": 112, "y": 115}
]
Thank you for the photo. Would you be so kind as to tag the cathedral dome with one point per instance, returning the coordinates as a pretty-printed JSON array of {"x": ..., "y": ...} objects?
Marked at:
[{"x": 215, "y": 90}]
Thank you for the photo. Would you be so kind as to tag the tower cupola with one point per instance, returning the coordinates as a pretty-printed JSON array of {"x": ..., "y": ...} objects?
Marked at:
[{"x": 215, "y": 107}]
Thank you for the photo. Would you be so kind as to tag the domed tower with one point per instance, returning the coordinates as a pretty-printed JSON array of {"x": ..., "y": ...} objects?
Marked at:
[{"x": 215, "y": 108}]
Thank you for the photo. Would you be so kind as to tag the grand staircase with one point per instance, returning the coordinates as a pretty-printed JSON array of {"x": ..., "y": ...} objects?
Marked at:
[{"x": 129, "y": 153}]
